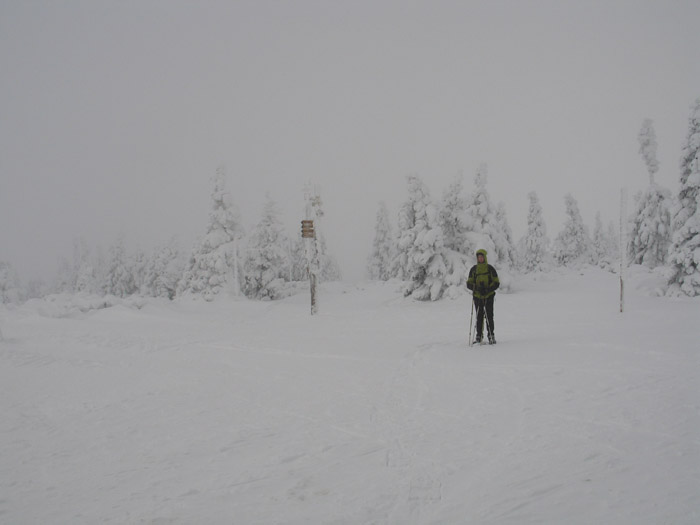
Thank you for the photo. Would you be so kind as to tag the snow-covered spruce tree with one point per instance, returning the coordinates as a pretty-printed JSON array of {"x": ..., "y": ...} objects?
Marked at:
[
  {"x": 404, "y": 240},
  {"x": 486, "y": 230},
  {"x": 602, "y": 246},
  {"x": 650, "y": 223},
  {"x": 101, "y": 269},
  {"x": 453, "y": 217},
  {"x": 87, "y": 272},
  {"x": 572, "y": 245},
  {"x": 382, "y": 254},
  {"x": 328, "y": 266},
  {"x": 535, "y": 255},
  {"x": 266, "y": 263},
  {"x": 120, "y": 278},
  {"x": 64, "y": 281},
  {"x": 684, "y": 253},
  {"x": 454, "y": 224},
  {"x": 480, "y": 211},
  {"x": 213, "y": 265},
  {"x": 650, "y": 228},
  {"x": 330, "y": 270},
  {"x": 613, "y": 236},
  {"x": 10, "y": 286},
  {"x": 648, "y": 147},
  {"x": 79, "y": 274},
  {"x": 420, "y": 246},
  {"x": 503, "y": 238},
  {"x": 151, "y": 272},
  {"x": 598, "y": 243},
  {"x": 164, "y": 271},
  {"x": 84, "y": 268},
  {"x": 297, "y": 254},
  {"x": 139, "y": 267}
]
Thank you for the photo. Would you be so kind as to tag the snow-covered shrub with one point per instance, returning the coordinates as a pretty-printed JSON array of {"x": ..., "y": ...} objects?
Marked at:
[{"x": 65, "y": 305}]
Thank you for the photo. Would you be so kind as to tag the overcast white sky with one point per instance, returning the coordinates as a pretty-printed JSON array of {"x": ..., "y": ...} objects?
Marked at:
[{"x": 114, "y": 115}]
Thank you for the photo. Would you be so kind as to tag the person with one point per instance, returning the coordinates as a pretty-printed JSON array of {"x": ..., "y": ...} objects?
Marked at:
[{"x": 483, "y": 282}]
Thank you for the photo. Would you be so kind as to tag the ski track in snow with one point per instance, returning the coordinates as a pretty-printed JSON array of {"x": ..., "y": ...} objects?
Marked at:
[{"x": 374, "y": 411}]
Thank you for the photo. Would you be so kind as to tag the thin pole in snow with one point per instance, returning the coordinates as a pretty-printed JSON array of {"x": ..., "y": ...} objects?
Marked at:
[
  {"x": 308, "y": 233},
  {"x": 471, "y": 320},
  {"x": 623, "y": 246}
]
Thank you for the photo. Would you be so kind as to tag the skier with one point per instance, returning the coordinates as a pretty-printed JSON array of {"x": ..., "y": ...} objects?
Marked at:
[{"x": 483, "y": 282}]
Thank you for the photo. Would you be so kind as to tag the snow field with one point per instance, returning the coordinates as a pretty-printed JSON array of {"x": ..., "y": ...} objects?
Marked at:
[{"x": 374, "y": 411}]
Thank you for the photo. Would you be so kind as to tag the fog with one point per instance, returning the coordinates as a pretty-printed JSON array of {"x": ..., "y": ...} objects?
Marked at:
[{"x": 115, "y": 115}]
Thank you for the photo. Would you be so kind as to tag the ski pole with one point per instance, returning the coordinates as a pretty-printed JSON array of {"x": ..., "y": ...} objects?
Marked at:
[
  {"x": 471, "y": 320},
  {"x": 488, "y": 325}
]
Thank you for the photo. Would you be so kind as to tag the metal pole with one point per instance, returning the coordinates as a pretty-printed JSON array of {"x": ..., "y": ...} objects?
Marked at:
[{"x": 623, "y": 246}]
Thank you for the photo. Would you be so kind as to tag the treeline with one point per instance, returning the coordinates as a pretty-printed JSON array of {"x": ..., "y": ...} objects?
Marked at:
[
  {"x": 264, "y": 264},
  {"x": 434, "y": 242},
  {"x": 430, "y": 247}
]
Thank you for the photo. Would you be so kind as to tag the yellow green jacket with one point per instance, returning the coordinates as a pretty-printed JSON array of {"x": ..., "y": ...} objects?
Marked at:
[{"x": 483, "y": 278}]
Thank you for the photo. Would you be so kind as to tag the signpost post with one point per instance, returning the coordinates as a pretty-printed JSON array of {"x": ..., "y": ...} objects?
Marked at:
[
  {"x": 623, "y": 246},
  {"x": 309, "y": 235}
]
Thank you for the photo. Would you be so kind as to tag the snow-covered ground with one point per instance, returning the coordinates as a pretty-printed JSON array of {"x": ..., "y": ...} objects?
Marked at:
[{"x": 373, "y": 411}]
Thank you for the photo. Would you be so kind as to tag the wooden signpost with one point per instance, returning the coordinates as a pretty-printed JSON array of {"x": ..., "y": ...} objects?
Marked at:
[
  {"x": 309, "y": 235},
  {"x": 307, "y": 230}
]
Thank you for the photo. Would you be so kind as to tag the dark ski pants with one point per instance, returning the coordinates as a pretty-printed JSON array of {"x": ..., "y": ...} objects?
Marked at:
[{"x": 481, "y": 305}]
